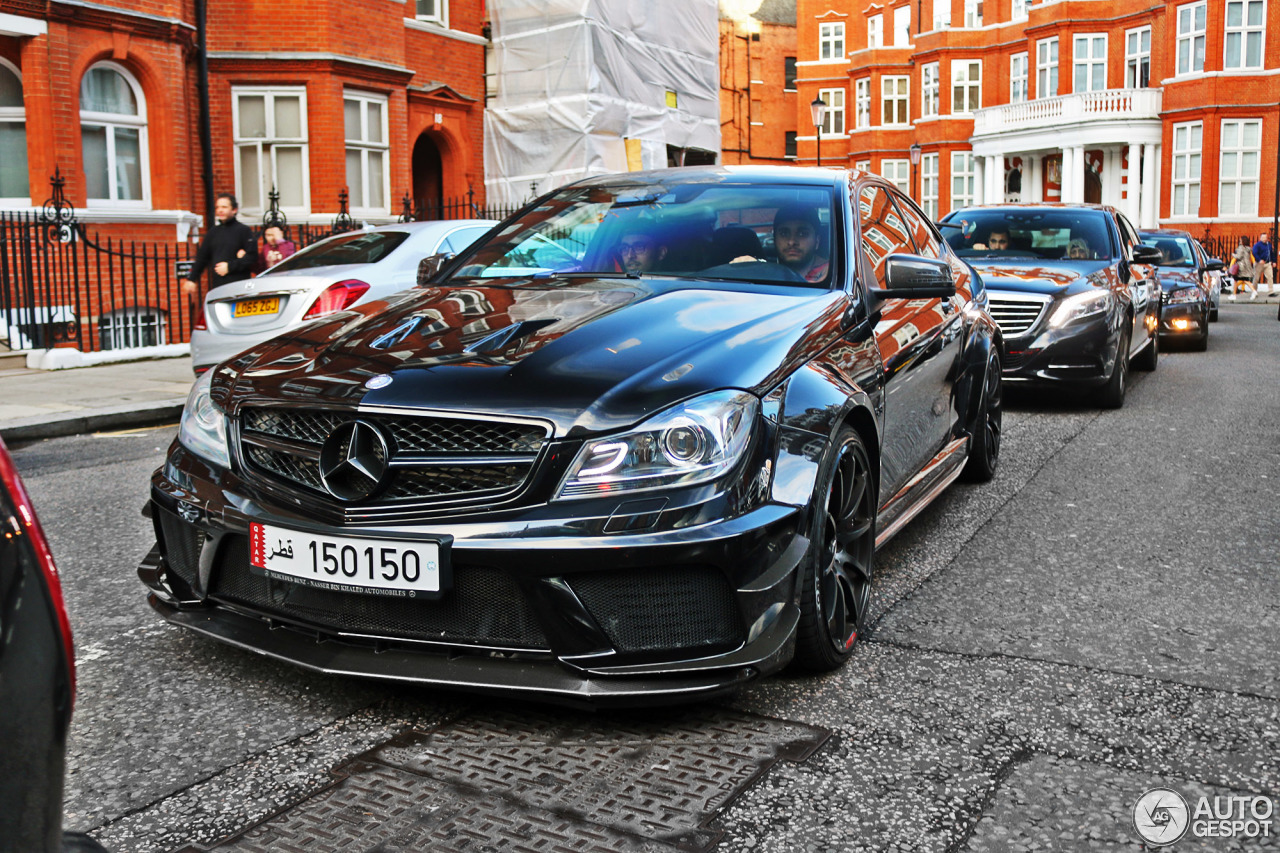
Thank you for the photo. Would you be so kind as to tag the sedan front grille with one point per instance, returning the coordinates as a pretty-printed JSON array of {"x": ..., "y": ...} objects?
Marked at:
[
  {"x": 429, "y": 458},
  {"x": 1016, "y": 313}
]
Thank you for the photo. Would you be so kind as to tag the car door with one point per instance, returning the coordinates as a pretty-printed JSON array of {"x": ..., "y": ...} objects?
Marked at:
[
  {"x": 913, "y": 349},
  {"x": 1142, "y": 284}
]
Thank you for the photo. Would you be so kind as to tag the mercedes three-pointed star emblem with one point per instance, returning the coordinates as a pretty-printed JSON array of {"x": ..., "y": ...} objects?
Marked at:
[{"x": 353, "y": 460}]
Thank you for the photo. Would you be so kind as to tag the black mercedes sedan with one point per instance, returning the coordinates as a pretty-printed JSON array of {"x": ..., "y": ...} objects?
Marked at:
[
  {"x": 1072, "y": 288},
  {"x": 1186, "y": 279},
  {"x": 637, "y": 445}
]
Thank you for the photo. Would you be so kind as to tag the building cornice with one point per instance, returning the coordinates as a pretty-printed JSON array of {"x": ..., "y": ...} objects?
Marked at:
[
  {"x": 436, "y": 30},
  {"x": 308, "y": 56}
]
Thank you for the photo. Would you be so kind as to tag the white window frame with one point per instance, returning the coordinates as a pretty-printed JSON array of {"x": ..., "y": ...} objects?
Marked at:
[
  {"x": 862, "y": 103},
  {"x": 898, "y": 173},
  {"x": 895, "y": 100},
  {"x": 1137, "y": 58},
  {"x": 1047, "y": 54},
  {"x": 440, "y": 17},
  {"x": 365, "y": 147},
  {"x": 269, "y": 94},
  {"x": 1239, "y": 177},
  {"x": 941, "y": 14},
  {"x": 18, "y": 116},
  {"x": 1018, "y": 12},
  {"x": 969, "y": 84},
  {"x": 963, "y": 170},
  {"x": 114, "y": 120},
  {"x": 833, "y": 120},
  {"x": 831, "y": 41},
  {"x": 902, "y": 26},
  {"x": 1189, "y": 54},
  {"x": 1018, "y": 77},
  {"x": 1245, "y": 32},
  {"x": 930, "y": 86},
  {"x": 1093, "y": 64},
  {"x": 972, "y": 14},
  {"x": 929, "y": 185},
  {"x": 875, "y": 31},
  {"x": 862, "y": 165},
  {"x": 1184, "y": 181}
]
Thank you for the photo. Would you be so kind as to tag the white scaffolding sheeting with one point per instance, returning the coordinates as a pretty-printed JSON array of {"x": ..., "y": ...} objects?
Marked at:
[{"x": 577, "y": 79}]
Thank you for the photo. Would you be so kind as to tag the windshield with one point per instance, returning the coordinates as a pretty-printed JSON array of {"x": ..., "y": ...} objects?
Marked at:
[
  {"x": 362, "y": 247},
  {"x": 1174, "y": 251},
  {"x": 1053, "y": 235},
  {"x": 745, "y": 232}
]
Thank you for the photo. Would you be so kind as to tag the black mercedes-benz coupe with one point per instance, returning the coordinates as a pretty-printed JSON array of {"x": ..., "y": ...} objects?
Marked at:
[
  {"x": 636, "y": 445},
  {"x": 1072, "y": 288},
  {"x": 1188, "y": 284}
]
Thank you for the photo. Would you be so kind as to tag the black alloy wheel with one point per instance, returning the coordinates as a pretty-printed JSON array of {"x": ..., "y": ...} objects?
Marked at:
[
  {"x": 836, "y": 572},
  {"x": 1112, "y": 394},
  {"x": 1201, "y": 343},
  {"x": 1149, "y": 357},
  {"x": 984, "y": 449}
]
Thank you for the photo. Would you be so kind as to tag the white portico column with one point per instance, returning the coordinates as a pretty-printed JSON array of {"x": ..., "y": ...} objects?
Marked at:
[
  {"x": 1111, "y": 176},
  {"x": 1133, "y": 185},
  {"x": 979, "y": 180},
  {"x": 998, "y": 177},
  {"x": 1150, "y": 186},
  {"x": 1073, "y": 174}
]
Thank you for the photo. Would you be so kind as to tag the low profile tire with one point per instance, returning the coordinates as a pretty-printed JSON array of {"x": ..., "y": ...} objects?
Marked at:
[
  {"x": 1150, "y": 357},
  {"x": 1112, "y": 394},
  {"x": 1213, "y": 315},
  {"x": 984, "y": 450},
  {"x": 1201, "y": 343},
  {"x": 836, "y": 572}
]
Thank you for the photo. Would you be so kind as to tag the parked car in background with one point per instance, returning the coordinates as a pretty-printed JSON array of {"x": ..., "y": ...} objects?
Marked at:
[
  {"x": 1072, "y": 288},
  {"x": 37, "y": 680},
  {"x": 332, "y": 275},
  {"x": 1191, "y": 283},
  {"x": 562, "y": 470}
]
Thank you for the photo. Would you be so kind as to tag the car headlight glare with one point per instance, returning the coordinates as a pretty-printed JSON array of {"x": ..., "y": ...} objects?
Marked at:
[
  {"x": 1184, "y": 294},
  {"x": 691, "y": 443},
  {"x": 1079, "y": 307},
  {"x": 203, "y": 429}
]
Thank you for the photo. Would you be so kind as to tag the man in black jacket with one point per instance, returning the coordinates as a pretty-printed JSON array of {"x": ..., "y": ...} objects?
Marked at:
[{"x": 229, "y": 247}]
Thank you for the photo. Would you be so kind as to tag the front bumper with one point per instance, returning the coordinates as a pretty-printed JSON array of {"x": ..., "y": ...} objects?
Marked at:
[
  {"x": 666, "y": 614},
  {"x": 1183, "y": 319},
  {"x": 1080, "y": 354}
]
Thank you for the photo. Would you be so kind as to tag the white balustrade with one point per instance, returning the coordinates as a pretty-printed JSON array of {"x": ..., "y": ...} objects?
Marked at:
[{"x": 1068, "y": 109}]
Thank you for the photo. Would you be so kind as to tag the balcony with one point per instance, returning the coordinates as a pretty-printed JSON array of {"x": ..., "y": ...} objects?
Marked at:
[{"x": 1106, "y": 105}]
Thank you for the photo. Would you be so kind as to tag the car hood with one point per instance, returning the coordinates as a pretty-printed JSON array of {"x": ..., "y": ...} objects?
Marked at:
[
  {"x": 1172, "y": 278},
  {"x": 587, "y": 355},
  {"x": 1049, "y": 278}
]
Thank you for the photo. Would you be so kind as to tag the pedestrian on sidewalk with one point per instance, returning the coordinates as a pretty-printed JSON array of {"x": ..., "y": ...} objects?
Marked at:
[
  {"x": 275, "y": 248},
  {"x": 229, "y": 248},
  {"x": 1264, "y": 258},
  {"x": 1242, "y": 270}
]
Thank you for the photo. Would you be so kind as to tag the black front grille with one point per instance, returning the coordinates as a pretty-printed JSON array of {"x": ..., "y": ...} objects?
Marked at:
[
  {"x": 182, "y": 544},
  {"x": 484, "y": 606},
  {"x": 431, "y": 458},
  {"x": 1016, "y": 315},
  {"x": 662, "y": 609}
]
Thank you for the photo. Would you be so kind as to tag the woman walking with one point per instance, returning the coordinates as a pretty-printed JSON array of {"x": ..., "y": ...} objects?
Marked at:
[{"x": 1242, "y": 270}]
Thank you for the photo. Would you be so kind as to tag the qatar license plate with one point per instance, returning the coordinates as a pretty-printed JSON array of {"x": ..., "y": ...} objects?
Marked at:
[
  {"x": 256, "y": 307},
  {"x": 346, "y": 564}
]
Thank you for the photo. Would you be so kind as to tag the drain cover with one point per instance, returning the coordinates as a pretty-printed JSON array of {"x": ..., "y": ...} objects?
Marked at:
[{"x": 539, "y": 782}]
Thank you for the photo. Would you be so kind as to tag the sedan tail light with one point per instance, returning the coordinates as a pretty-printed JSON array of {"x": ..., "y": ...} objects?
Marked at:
[
  {"x": 201, "y": 324},
  {"x": 25, "y": 523},
  {"x": 336, "y": 297}
]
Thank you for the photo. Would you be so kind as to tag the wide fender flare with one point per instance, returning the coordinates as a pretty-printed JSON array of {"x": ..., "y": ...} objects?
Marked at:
[
  {"x": 816, "y": 402},
  {"x": 981, "y": 339}
]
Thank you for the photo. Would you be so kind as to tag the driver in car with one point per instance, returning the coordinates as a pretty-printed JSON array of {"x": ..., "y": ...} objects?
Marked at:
[
  {"x": 795, "y": 236},
  {"x": 640, "y": 251}
]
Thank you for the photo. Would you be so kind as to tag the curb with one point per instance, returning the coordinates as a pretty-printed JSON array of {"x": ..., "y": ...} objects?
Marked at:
[{"x": 92, "y": 420}]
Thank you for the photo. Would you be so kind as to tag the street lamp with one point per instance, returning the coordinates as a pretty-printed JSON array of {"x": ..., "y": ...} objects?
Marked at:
[
  {"x": 915, "y": 161},
  {"x": 819, "y": 109}
]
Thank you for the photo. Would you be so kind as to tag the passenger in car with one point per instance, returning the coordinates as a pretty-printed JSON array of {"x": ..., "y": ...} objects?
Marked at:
[
  {"x": 1078, "y": 250},
  {"x": 797, "y": 237}
]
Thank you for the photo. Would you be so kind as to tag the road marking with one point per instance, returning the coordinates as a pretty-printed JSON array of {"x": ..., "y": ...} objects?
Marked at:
[{"x": 97, "y": 651}]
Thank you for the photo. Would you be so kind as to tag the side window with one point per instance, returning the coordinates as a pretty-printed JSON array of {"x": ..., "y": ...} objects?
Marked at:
[
  {"x": 883, "y": 231},
  {"x": 1128, "y": 236},
  {"x": 462, "y": 238},
  {"x": 925, "y": 238}
]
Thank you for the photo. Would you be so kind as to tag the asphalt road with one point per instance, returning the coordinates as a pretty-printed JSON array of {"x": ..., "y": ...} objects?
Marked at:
[{"x": 1101, "y": 619}]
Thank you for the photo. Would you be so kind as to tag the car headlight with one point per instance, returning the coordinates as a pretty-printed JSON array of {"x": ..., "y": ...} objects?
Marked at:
[
  {"x": 1080, "y": 306},
  {"x": 203, "y": 429},
  {"x": 694, "y": 442},
  {"x": 1184, "y": 294}
]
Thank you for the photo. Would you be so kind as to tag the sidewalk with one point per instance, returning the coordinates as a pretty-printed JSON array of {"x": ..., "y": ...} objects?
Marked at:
[{"x": 37, "y": 404}]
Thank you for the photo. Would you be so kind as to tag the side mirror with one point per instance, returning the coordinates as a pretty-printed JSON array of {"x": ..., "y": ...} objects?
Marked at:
[
  {"x": 1214, "y": 265},
  {"x": 430, "y": 266},
  {"x": 914, "y": 277},
  {"x": 1146, "y": 255}
]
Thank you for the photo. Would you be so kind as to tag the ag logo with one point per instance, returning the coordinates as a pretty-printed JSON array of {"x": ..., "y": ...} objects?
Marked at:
[{"x": 1161, "y": 816}]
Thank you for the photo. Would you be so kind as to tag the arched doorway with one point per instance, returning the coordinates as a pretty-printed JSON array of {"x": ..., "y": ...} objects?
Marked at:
[
  {"x": 1092, "y": 187},
  {"x": 428, "y": 179}
]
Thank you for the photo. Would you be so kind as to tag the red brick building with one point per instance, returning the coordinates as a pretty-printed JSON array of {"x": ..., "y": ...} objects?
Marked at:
[
  {"x": 1168, "y": 109},
  {"x": 377, "y": 97},
  {"x": 758, "y": 108}
]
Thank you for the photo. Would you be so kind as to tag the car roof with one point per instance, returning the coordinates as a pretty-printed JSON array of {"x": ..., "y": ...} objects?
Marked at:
[
  {"x": 1164, "y": 232},
  {"x": 1040, "y": 205},
  {"x": 796, "y": 175}
]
